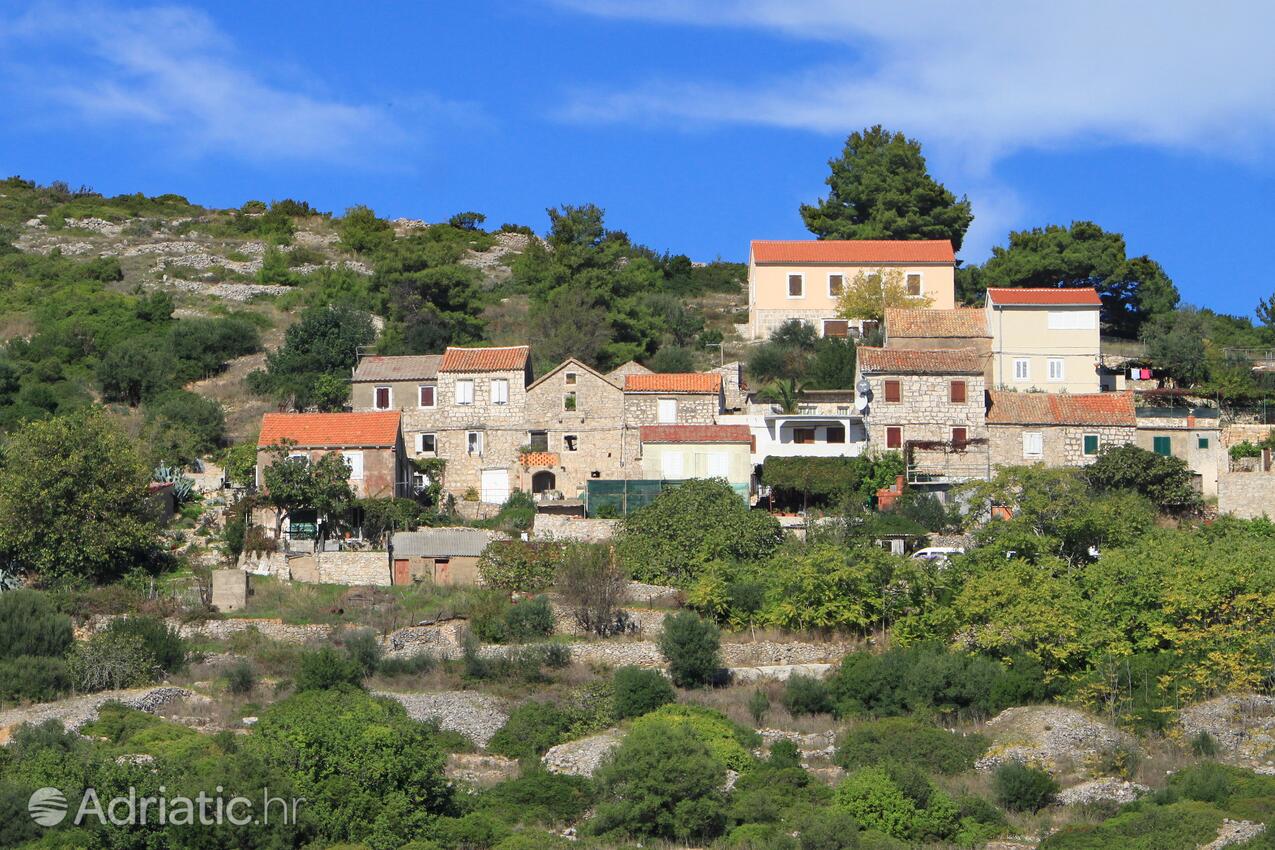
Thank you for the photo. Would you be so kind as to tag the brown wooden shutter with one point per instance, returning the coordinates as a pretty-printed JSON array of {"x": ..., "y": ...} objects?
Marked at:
[
  {"x": 893, "y": 391},
  {"x": 958, "y": 392},
  {"x": 893, "y": 437}
]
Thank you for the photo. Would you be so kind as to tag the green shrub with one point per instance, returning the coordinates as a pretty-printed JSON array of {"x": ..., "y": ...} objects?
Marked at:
[
  {"x": 829, "y": 829},
  {"x": 529, "y": 620},
  {"x": 34, "y": 678},
  {"x": 729, "y": 743},
  {"x": 758, "y": 705},
  {"x": 538, "y": 797},
  {"x": 112, "y": 660},
  {"x": 692, "y": 648},
  {"x": 639, "y": 690},
  {"x": 320, "y": 669},
  {"x": 164, "y": 643},
  {"x": 908, "y": 741},
  {"x": 1021, "y": 788},
  {"x": 364, "y": 650},
  {"x": 487, "y": 616},
  {"x": 241, "y": 679},
  {"x": 31, "y": 626},
  {"x": 532, "y": 728},
  {"x": 410, "y": 665},
  {"x": 807, "y": 695},
  {"x": 1204, "y": 745},
  {"x": 1181, "y": 826},
  {"x": 514, "y": 565},
  {"x": 475, "y": 830}
]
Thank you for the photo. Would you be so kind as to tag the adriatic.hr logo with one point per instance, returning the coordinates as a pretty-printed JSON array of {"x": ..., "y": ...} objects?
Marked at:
[{"x": 48, "y": 807}]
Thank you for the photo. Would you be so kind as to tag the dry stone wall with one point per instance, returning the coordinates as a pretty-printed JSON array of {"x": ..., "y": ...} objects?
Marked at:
[{"x": 1247, "y": 495}]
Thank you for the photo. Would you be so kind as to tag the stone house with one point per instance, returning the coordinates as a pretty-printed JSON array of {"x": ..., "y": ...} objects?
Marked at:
[
  {"x": 803, "y": 279},
  {"x": 404, "y": 383},
  {"x": 443, "y": 556},
  {"x": 679, "y": 452},
  {"x": 928, "y": 329},
  {"x": 1192, "y": 434},
  {"x": 574, "y": 430},
  {"x": 631, "y": 367},
  {"x": 928, "y": 405},
  {"x": 1057, "y": 429},
  {"x": 672, "y": 398}
]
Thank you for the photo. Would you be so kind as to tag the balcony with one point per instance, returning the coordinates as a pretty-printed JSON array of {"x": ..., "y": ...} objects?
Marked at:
[{"x": 532, "y": 459}]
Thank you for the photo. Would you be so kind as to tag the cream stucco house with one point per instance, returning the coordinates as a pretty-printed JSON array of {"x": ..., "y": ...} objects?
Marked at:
[
  {"x": 803, "y": 279},
  {"x": 679, "y": 452},
  {"x": 1046, "y": 340}
]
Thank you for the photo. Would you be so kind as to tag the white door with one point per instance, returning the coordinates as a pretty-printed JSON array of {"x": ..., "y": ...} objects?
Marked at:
[
  {"x": 667, "y": 412},
  {"x": 671, "y": 465},
  {"x": 495, "y": 486}
]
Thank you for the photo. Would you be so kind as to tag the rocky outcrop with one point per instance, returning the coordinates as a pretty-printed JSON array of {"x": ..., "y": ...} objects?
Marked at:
[
  {"x": 1058, "y": 739},
  {"x": 1101, "y": 790},
  {"x": 1233, "y": 832},
  {"x": 478, "y": 770},
  {"x": 476, "y": 716},
  {"x": 77, "y": 711},
  {"x": 584, "y": 756},
  {"x": 1243, "y": 725}
]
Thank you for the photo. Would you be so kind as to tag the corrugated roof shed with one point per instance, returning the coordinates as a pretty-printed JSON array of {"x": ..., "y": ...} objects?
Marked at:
[{"x": 442, "y": 542}]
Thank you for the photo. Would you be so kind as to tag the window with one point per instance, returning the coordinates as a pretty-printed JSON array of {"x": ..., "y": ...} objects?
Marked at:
[
  {"x": 1033, "y": 444},
  {"x": 1162, "y": 446},
  {"x": 666, "y": 410},
  {"x": 807, "y": 409},
  {"x": 426, "y": 396},
  {"x": 569, "y": 401},
  {"x": 426, "y": 444},
  {"x": 1055, "y": 369},
  {"x": 836, "y": 327},
  {"x": 298, "y": 456},
  {"x": 671, "y": 464},
  {"x": 569, "y": 378},
  {"x": 956, "y": 392},
  {"x": 474, "y": 442},
  {"x": 803, "y": 435},
  {"x": 1072, "y": 320},
  {"x": 538, "y": 441},
  {"x": 383, "y": 398},
  {"x": 835, "y": 434},
  {"x": 894, "y": 437},
  {"x": 960, "y": 436},
  {"x": 796, "y": 286},
  {"x": 717, "y": 465},
  {"x": 894, "y": 391},
  {"x": 1022, "y": 369},
  {"x": 1091, "y": 445},
  {"x": 465, "y": 392},
  {"x": 499, "y": 391},
  {"x": 570, "y": 442},
  {"x": 914, "y": 283},
  {"x": 836, "y": 285},
  {"x": 354, "y": 460},
  {"x": 1202, "y": 443}
]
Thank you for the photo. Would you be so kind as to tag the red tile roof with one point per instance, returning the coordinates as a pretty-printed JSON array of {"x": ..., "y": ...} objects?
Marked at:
[
  {"x": 674, "y": 382},
  {"x": 1010, "y": 408},
  {"x": 962, "y": 322},
  {"x": 695, "y": 434},
  {"x": 854, "y": 251},
  {"x": 330, "y": 430},
  {"x": 484, "y": 359},
  {"x": 1069, "y": 296},
  {"x": 936, "y": 361}
]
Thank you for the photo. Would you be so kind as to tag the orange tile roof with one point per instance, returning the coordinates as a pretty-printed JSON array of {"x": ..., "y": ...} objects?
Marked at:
[
  {"x": 695, "y": 434},
  {"x": 937, "y": 361},
  {"x": 674, "y": 382},
  {"x": 484, "y": 359},
  {"x": 1068, "y": 296},
  {"x": 1010, "y": 408},
  {"x": 962, "y": 322},
  {"x": 330, "y": 430},
  {"x": 855, "y": 251}
]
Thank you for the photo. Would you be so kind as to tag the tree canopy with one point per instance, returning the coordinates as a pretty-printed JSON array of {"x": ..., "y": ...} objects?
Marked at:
[
  {"x": 880, "y": 188},
  {"x": 869, "y": 294},
  {"x": 325, "y": 342}
]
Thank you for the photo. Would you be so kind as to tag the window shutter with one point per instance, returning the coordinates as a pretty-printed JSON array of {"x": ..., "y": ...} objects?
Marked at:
[
  {"x": 893, "y": 437},
  {"x": 893, "y": 391},
  {"x": 958, "y": 392}
]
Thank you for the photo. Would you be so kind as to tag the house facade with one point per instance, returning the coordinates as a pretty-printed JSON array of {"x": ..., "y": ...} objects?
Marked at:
[
  {"x": 1046, "y": 340},
  {"x": 672, "y": 398},
  {"x": 403, "y": 383},
  {"x": 679, "y": 452},
  {"x": 803, "y": 279},
  {"x": 574, "y": 430},
  {"x": 1191, "y": 434},
  {"x": 929, "y": 406},
  {"x": 1057, "y": 429}
]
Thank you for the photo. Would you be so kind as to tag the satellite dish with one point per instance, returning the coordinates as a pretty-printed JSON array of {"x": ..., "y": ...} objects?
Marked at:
[
  {"x": 863, "y": 387},
  {"x": 861, "y": 403}
]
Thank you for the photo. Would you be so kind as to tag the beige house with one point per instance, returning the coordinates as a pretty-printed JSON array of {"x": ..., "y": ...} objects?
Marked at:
[
  {"x": 1046, "y": 340},
  {"x": 574, "y": 430},
  {"x": 405, "y": 383},
  {"x": 803, "y": 279},
  {"x": 1057, "y": 429},
  {"x": 679, "y": 452},
  {"x": 1192, "y": 434},
  {"x": 929, "y": 406}
]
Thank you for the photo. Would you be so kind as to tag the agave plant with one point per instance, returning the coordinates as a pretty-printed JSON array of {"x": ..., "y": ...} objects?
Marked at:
[{"x": 183, "y": 486}]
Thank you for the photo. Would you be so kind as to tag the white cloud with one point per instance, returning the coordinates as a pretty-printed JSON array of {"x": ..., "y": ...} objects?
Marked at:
[
  {"x": 980, "y": 81},
  {"x": 171, "y": 70}
]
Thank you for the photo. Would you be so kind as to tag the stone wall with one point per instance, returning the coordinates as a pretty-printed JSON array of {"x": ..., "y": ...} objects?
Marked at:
[
  {"x": 1063, "y": 444},
  {"x": 692, "y": 408},
  {"x": 558, "y": 527},
  {"x": 924, "y": 409},
  {"x": 353, "y": 568},
  {"x": 596, "y": 423},
  {"x": 1246, "y": 494}
]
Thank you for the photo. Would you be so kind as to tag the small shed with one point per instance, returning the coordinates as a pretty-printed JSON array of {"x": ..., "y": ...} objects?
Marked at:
[{"x": 444, "y": 556}]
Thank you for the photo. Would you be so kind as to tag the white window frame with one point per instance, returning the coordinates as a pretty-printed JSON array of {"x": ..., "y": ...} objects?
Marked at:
[
  {"x": 1036, "y": 437},
  {"x": 500, "y": 391},
  {"x": 1051, "y": 363},
  {"x": 389, "y": 393},
  {"x": 1072, "y": 320},
  {"x": 474, "y": 443},
  {"x": 420, "y": 443},
  {"x": 788, "y": 286},
  {"x": 672, "y": 465},
  {"x": 920, "y": 284},
  {"x": 354, "y": 460},
  {"x": 1026, "y": 370},
  {"x": 434, "y": 394},
  {"x": 660, "y": 407},
  {"x": 833, "y": 295},
  {"x": 717, "y": 465},
  {"x": 467, "y": 397}
]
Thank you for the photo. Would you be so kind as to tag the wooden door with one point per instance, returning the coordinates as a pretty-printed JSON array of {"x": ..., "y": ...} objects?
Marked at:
[{"x": 402, "y": 573}]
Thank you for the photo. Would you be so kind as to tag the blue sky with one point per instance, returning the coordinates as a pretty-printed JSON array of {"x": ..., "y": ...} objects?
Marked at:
[{"x": 697, "y": 124}]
